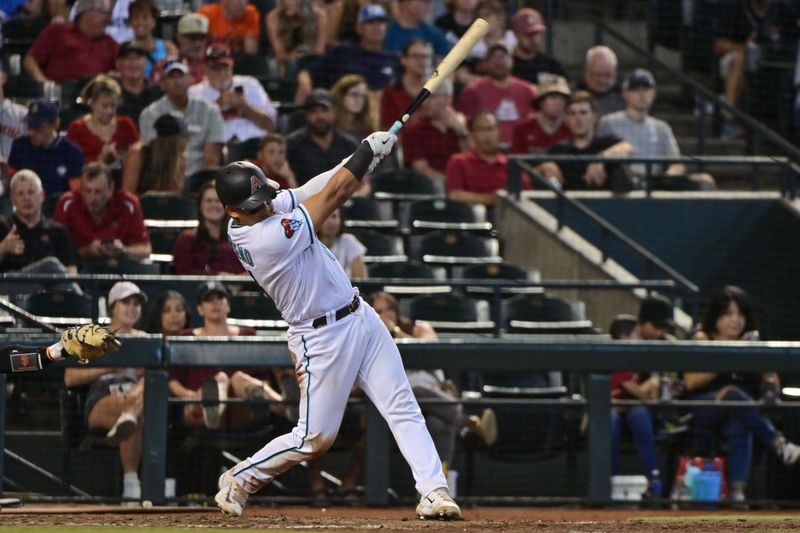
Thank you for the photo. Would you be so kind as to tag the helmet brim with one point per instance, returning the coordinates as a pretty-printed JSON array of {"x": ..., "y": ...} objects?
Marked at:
[{"x": 259, "y": 197}]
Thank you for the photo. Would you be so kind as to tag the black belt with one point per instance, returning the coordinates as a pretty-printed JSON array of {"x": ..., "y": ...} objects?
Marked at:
[{"x": 348, "y": 309}]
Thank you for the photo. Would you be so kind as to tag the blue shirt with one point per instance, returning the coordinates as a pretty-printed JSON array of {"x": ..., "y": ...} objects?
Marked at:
[
  {"x": 56, "y": 164},
  {"x": 397, "y": 36},
  {"x": 378, "y": 68}
]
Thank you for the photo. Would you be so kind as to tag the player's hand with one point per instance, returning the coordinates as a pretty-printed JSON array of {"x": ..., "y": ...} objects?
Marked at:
[
  {"x": 381, "y": 143},
  {"x": 89, "y": 341}
]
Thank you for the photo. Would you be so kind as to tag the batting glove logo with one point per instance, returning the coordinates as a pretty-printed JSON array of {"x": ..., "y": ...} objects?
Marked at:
[{"x": 290, "y": 226}]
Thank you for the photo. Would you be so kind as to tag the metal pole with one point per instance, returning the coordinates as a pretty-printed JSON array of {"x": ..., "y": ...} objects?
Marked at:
[
  {"x": 154, "y": 437},
  {"x": 2, "y": 425},
  {"x": 376, "y": 459},
  {"x": 598, "y": 390}
]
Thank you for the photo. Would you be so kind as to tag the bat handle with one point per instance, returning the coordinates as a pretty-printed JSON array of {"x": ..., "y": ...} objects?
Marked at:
[{"x": 397, "y": 126}]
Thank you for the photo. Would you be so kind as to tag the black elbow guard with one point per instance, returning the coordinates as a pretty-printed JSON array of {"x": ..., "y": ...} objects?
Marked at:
[{"x": 359, "y": 162}]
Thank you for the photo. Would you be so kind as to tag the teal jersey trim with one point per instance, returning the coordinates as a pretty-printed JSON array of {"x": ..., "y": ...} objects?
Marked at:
[
  {"x": 308, "y": 222},
  {"x": 294, "y": 199}
]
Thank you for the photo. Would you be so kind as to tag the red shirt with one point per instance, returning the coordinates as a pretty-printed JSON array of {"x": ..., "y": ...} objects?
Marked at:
[
  {"x": 64, "y": 53},
  {"x": 123, "y": 219},
  {"x": 509, "y": 104},
  {"x": 423, "y": 140},
  {"x": 529, "y": 137},
  {"x": 468, "y": 171},
  {"x": 394, "y": 101},
  {"x": 125, "y": 135},
  {"x": 192, "y": 258}
]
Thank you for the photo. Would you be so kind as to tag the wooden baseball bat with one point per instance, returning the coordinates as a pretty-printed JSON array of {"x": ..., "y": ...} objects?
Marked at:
[{"x": 448, "y": 65}]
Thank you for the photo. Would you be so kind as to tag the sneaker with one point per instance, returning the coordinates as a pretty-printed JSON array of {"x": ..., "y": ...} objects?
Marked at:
[
  {"x": 486, "y": 427},
  {"x": 123, "y": 428},
  {"x": 231, "y": 497},
  {"x": 438, "y": 505},
  {"x": 789, "y": 452},
  {"x": 132, "y": 490},
  {"x": 211, "y": 394}
]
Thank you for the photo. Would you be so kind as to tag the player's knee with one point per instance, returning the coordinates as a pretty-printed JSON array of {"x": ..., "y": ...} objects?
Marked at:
[{"x": 319, "y": 443}]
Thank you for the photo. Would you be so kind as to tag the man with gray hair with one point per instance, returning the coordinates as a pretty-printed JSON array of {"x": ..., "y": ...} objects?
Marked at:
[{"x": 600, "y": 79}]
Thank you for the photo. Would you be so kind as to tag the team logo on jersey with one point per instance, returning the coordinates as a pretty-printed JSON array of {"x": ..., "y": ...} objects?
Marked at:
[
  {"x": 255, "y": 184},
  {"x": 290, "y": 225}
]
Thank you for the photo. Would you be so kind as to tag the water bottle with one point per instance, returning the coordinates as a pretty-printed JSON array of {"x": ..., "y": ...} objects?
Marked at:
[
  {"x": 664, "y": 389},
  {"x": 655, "y": 484}
]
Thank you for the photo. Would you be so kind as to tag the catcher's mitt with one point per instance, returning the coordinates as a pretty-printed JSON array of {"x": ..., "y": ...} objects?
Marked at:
[{"x": 89, "y": 341}]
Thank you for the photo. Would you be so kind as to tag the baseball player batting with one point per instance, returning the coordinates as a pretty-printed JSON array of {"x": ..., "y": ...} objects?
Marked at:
[{"x": 336, "y": 338}]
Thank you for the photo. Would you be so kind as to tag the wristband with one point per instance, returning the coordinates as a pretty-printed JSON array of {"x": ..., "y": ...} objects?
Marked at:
[{"x": 359, "y": 162}]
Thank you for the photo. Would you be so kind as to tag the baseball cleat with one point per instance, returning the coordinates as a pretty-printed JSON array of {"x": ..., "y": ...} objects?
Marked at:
[
  {"x": 231, "y": 498},
  {"x": 438, "y": 505}
]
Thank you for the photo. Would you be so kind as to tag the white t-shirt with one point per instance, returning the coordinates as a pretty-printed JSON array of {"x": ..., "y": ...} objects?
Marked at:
[
  {"x": 346, "y": 249},
  {"x": 12, "y": 125}
]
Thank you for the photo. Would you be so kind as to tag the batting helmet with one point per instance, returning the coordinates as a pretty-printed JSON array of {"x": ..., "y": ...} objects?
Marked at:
[{"x": 242, "y": 184}]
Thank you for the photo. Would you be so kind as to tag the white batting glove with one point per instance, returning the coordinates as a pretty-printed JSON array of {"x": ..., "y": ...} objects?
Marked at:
[{"x": 381, "y": 144}]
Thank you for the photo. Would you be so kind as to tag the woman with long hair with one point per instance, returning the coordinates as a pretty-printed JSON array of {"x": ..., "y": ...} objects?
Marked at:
[
  {"x": 345, "y": 247},
  {"x": 356, "y": 109},
  {"x": 169, "y": 315},
  {"x": 158, "y": 166},
  {"x": 205, "y": 249}
]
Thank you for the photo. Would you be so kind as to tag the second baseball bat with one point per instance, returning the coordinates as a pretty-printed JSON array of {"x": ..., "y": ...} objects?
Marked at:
[{"x": 448, "y": 65}]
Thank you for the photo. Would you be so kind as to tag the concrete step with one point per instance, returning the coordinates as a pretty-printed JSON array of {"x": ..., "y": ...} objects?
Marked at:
[{"x": 713, "y": 146}]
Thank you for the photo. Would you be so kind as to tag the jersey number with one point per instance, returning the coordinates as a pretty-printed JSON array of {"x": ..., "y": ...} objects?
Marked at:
[{"x": 242, "y": 253}]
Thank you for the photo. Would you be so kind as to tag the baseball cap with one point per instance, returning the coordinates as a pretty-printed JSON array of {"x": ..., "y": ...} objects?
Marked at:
[
  {"x": 210, "y": 287},
  {"x": 372, "y": 12},
  {"x": 82, "y": 6},
  {"x": 132, "y": 47},
  {"x": 623, "y": 324},
  {"x": 639, "y": 78},
  {"x": 40, "y": 113},
  {"x": 527, "y": 20},
  {"x": 219, "y": 54},
  {"x": 175, "y": 64},
  {"x": 319, "y": 97},
  {"x": 657, "y": 310},
  {"x": 168, "y": 125},
  {"x": 497, "y": 46},
  {"x": 553, "y": 85},
  {"x": 124, "y": 289},
  {"x": 193, "y": 23}
]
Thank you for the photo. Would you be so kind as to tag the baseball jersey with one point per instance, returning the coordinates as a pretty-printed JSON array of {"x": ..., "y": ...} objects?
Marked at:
[{"x": 291, "y": 266}]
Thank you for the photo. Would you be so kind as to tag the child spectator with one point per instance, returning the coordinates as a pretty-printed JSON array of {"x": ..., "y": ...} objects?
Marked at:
[
  {"x": 142, "y": 17},
  {"x": 271, "y": 158}
]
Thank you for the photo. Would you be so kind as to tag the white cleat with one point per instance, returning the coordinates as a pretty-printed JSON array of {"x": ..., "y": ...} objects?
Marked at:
[
  {"x": 438, "y": 505},
  {"x": 231, "y": 498}
]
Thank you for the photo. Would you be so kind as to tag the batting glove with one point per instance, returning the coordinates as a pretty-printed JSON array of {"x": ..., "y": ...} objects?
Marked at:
[{"x": 381, "y": 144}]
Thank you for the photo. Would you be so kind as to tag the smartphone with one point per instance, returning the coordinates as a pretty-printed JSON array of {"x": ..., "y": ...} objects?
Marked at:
[
  {"x": 238, "y": 89},
  {"x": 107, "y": 242}
]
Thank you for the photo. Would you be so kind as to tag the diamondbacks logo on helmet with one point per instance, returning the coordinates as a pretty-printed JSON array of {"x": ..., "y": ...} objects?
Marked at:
[
  {"x": 290, "y": 226},
  {"x": 255, "y": 184}
]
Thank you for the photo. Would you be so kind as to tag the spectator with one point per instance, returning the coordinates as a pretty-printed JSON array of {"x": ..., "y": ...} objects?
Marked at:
[
  {"x": 410, "y": 22},
  {"x": 271, "y": 158},
  {"x": 169, "y": 316},
  {"x": 546, "y": 127},
  {"x": 365, "y": 57},
  {"x": 49, "y": 154},
  {"x": 475, "y": 175},
  {"x": 600, "y": 79},
  {"x": 138, "y": 91},
  {"x": 318, "y": 146},
  {"x": 295, "y": 29},
  {"x": 142, "y": 17},
  {"x": 343, "y": 16},
  {"x": 344, "y": 246},
  {"x": 581, "y": 120},
  {"x": 417, "y": 62},
  {"x": 115, "y": 400},
  {"x": 192, "y": 38},
  {"x": 440, "y": 132},
  {"x": 103, "y": 221},
  {"x": 160, "y": 164},
  {"x": 234, "y": 22},
  {"x": 507, "y": 97},
  {"x": 356, "y": 109},
  {"x": 205, "y": 250},
  {"x": 12, "y": 126},
  {"x": 102, "y": 135},
  {"x": 459, "y": 17},
  {"x": 203, "y": 119},
  {"x": 647, "y": 135},
  {"x": 530, "y": 63},
  {"x": 246, "y": 109},
  {"x": 496, "y": 14},
  {"x": 30, "y": 242},
  {"x": 66, "y": 51}
]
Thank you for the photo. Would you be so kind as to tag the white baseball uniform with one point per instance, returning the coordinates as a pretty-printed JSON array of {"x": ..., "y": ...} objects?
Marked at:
[{"x": 302, "y": 276}]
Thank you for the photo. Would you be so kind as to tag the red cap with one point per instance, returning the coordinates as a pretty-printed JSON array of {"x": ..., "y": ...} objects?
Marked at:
[
  {"x": 220, "y": 54},
  {"x": 527, "y": 20}
]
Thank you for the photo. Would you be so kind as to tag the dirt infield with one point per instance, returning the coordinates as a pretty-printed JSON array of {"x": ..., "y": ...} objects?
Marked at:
[{"x": 511, "y": 520}]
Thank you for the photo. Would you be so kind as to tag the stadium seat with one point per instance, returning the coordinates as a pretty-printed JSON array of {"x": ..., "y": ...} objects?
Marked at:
[
  {"x": 381, "y": 248},
  {"x": 498, "y": 272},
  {"x": 240, "y": 151},
  {"x": 59, "y": 307},
  {"x": 120, "y": 265},
  {"x": 193, "y": 183},
  {"x": 540, "y": 313},
  {"x": 360, "y": 212},
  {"x": 255, "y": 65},
  {"x": 255, "y": 310},
  {"x": 409, "y": 270},
  {"x": 162, "y": 241},
  {"x": 24, "y": 87},
  {"x": 451, "y": 313},
  {"x": 403, "y": 185},
  {"x": 441, "y": 213},
  {"x": 6, "y": 207},
  {"x": 450, "y": 247},
  {"x": 279, "y": 89},
  {"x": 19, "y": 34},
  {"x": 166, "y": 206}
]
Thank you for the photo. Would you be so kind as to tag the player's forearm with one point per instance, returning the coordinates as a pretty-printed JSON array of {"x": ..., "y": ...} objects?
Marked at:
[
  {"x": 315, "y": 184},
  {"x": 139, "y": 251}
]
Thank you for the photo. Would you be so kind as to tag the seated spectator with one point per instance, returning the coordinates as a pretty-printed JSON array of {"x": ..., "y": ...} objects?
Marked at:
[
  {"x": 271, "y": 158},
  {"x": 158, "y": 165},
  {"x": 459, "y": 17},
  {"x": 440, "y": 132},
  {"x": 115, "y": 400},
  {"x": 12, "y": 126},
  {"x": 67, "y": 51},
  {"x": 101, "y": 134},
  {"x": 730, "y": 316},
  {"x": 343, "y": 18},
  {"x": 581, "y": 120},
  {"x": 364, "y": 57},
  {"x": 142, "y": 17},
  {"x": 203, "y": 119},
  {"x": 192, "y": 39},
  {"x": 345, "y": 247},
  {"x": 215, "y": 384},
  {"x": 600, "y": 79},
  {"x": 246, "y": 109},
  {"x": 103, "y": 221},
  {"x": 30, "y": 242},
  {"x": 546, "y": 127},
  {"x": 56, "y": 160},
  {"x": 318, "y": 146},
  {"x": 138, "y": 91},
  {"x": 496, "y": 14},
  {"x": 509, "y": 98},
  {"x": 647, "y": 135},
  {"x": 234, "y": 22},
  {"x": 295, "y": 30},
  {"x": 356, "y": 110},
  {"x": 170, "y": 315},
  {"x": 417, "y": 62},
  {"x": 409, "y": 23},
  {"x": 530, "y": 63},
  {"x": 205, "y": 250}
]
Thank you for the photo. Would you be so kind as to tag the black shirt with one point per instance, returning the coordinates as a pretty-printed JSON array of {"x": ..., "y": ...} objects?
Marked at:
[
  {"x": 132, "y": 105},
  {"x": 533, "y": 69},
  {"x": 47, "y": 238},
  {"x": 738, "y": 22},
  {"x": 307, "y": 158},
  {"x": 378, "y": 68},
  {"x": 573, "y": 172}
]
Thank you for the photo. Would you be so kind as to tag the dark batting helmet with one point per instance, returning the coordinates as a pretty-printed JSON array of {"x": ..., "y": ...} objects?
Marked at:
[{"x": 242, "y": 184}]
